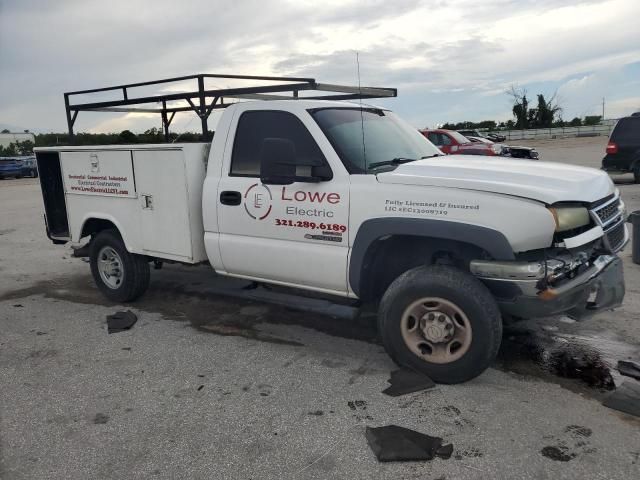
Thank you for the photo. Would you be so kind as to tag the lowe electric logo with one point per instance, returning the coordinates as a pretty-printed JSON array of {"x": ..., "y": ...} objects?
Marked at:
[{"x": 258, "y": 201}]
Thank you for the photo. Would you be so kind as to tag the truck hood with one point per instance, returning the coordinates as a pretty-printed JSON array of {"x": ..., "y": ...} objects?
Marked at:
[{"x": 543, "y": 181}]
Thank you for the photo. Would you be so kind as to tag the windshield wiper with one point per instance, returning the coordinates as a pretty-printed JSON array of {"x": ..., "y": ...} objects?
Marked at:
[
  {"x": 393, "y": 161},
  {"x": 431, "y": 156}
]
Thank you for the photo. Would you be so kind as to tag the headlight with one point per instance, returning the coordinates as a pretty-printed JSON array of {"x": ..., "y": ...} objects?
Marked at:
[
  {"x": 497, "y": 149},
  {"x": 568, "y": 218}
]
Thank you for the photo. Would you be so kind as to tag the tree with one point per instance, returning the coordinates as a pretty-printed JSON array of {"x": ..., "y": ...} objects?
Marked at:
[
  {"x": 576, "y": 122},
  {"x": 6, "y": 130},
  {"x": 559, "y": 123},
  {"x": 520, "y": 106},
  {"x": 9, "y": 151},
  {"x": 546, "y": 111},
  {"x": 540, "y": 117},
  {"x": 127, "y": 136},
  {"x": 25, "y": 148},
  {"x": 592, "y": 119}
]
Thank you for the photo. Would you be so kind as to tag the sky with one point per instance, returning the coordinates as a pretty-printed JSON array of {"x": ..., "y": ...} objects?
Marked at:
[{"x": 450, "y": 60}]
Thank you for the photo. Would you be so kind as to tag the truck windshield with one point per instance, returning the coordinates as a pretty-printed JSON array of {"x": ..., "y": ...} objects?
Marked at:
[{"x": 372, "y": 140}]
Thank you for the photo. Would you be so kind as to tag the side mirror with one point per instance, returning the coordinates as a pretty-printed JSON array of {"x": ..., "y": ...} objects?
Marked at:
[{"x": 277, "y": 161}]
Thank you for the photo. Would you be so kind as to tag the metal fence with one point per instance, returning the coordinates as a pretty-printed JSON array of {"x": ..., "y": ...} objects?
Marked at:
[{"x": 547, "y": 133}]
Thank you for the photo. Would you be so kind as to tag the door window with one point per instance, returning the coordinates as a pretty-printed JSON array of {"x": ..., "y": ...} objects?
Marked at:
[
  {"x": 445, "y": 140},
  {"x": 255, "y": 126},
  {"x": 433, "y": 138}
]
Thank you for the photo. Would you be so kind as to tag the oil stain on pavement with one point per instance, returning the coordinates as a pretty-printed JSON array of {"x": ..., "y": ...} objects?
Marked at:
[
  {"x": 231, "y": 312},
  {"x": 579, "y": 362},
  {"x": 572, "y": 442},
  {"x": 584, "y": 362}
]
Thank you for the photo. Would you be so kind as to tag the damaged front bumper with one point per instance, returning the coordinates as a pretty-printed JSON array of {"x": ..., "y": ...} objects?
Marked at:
[{"x": 537, "y": 289}]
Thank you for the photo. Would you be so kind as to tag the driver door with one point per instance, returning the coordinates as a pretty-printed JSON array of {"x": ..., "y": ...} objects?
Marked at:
[{"x": 292, "y": 234}]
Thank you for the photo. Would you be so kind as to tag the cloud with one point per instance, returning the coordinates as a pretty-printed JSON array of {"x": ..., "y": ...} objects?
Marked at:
[{"x": 464, "y": 51}]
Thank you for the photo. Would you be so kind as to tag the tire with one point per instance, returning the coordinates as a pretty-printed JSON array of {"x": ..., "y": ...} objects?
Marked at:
[
  {"x": 636, "y": 174},
  {"x": 433, "y": 291},
  {"x": 130, "y": 273},
  {"x": 35, "y": 174}
]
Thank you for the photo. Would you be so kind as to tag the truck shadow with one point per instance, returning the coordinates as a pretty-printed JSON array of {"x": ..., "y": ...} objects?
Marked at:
[
  {"x": 218, "y": 305},
  {"x": 583, "y": 362}
]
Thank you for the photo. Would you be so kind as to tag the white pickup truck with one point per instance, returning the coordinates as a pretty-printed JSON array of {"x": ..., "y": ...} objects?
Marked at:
[{"x": 351, "y": 201}]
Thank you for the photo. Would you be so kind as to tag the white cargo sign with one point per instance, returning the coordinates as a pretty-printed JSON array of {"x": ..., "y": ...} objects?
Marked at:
[{"x": 107, "y": 173}]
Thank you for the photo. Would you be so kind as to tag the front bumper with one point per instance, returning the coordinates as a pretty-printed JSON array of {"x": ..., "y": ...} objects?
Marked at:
[{"x": 599, "y": 287}]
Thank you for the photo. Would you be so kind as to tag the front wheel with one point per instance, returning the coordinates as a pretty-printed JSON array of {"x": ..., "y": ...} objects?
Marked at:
[
  {"x": 121, "y": 276},
  {"x": 442, "y": 322}
]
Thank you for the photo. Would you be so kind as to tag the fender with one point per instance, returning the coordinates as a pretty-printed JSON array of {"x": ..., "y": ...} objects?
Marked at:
[
  {"x": 102, "y": 216},
  {"x": 492, "y": 241}
]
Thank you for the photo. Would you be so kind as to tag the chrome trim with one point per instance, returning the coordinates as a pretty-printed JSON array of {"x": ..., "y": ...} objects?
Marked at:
[
  {"x": 612, "y": 222},
  {"x": 612, "y": 219},
  {"x": 530, "y": 286},
  {"x": 625, "y": 237}
]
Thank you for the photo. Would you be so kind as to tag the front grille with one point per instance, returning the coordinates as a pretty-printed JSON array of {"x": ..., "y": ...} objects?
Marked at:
[
  {"x": 608, "y": 211},
  {"x": 615, "y": 236}
]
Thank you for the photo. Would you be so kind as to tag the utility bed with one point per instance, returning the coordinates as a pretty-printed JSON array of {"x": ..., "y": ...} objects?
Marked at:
[{"x": 151, "y": 193}]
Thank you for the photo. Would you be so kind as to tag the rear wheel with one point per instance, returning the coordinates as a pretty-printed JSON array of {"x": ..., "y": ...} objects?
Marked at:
[
  {"x": 442, "y": 322},
  {"x": 121, "y": 276},
  {"x": 636, "y": 174}
]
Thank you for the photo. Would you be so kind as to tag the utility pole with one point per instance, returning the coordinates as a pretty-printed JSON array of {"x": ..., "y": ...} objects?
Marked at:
[{"x": 603, "y": 109}]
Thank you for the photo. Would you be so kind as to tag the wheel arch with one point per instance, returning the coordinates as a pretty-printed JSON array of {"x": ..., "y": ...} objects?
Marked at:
[
  {"x": 95, "y": 223},
  {"x": 411, "y": 240},
  {"x": 635, "y": 163}
]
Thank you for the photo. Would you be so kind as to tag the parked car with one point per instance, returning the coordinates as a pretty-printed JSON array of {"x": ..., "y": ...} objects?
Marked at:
[
  {"x": 623, "y": 149},
  {"x": 510, "y": 151},
  {"x": 494, "y": 137},
  {"x": 29, "y": 167},
  {"x": 10, "y": 167},
  {"x": 450, "y": 141},
  {"x": 520, "y": 152}
]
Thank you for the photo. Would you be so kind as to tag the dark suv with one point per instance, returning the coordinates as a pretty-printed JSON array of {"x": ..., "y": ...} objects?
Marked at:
[{"x": 623, "y": 149}]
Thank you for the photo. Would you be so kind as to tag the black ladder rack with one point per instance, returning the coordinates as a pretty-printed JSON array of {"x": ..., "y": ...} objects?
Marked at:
[{"x": 203, "y": 101}]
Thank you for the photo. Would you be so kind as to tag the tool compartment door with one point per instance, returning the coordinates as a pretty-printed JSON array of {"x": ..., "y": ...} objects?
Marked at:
[{"x": 163, "y": 204}]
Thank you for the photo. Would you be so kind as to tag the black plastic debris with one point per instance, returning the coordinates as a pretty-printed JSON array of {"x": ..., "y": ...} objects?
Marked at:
[
  {"x": 407, "y": 381},
  {"x": 392, "y": 443},
  {"x": 80, "y": 251},
  {"x": 121, "y": 321},
  {"x": 629, "y": 368},
  {"x": 625, "y": 399},
  {"x": 445, "y": 451}
]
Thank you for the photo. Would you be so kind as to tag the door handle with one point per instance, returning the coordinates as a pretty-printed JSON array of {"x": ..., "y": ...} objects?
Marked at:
[{"x": 230, "y": 197}]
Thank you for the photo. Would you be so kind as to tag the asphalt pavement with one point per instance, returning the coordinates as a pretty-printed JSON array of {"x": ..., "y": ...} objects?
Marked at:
[{"x": 216, "y": 381}]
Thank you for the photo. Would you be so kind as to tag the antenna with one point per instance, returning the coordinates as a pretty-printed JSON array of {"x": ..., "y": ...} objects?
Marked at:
[{"x": 364, "y": 150}]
